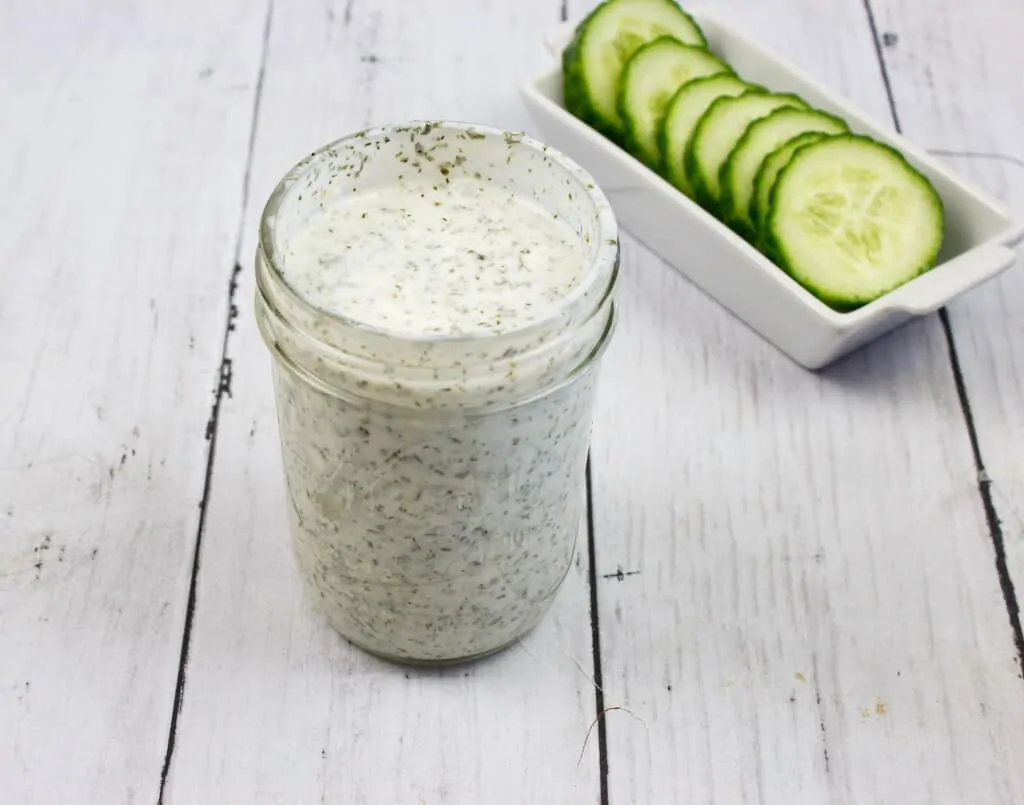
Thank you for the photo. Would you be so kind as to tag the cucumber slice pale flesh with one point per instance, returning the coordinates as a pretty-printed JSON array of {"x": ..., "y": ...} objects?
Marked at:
[
  {"x": 758, "y": 141},
  {"x": 592, "y": 64},
  {"x": 684, "y": 110},
  {"x": 769, "y": 172},
  {"x": 649, "y": 80},
  {"x": 718, "y": 131},
  {"x": 851, "y": 220}
]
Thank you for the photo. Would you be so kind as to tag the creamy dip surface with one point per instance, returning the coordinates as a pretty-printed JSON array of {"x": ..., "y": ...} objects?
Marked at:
[
  {"x": 435, "y": 535},
  {"x": 461, "y": 258}
]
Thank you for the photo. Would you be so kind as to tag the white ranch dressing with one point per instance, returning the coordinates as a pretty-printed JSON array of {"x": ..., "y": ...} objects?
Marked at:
[
  {"x": 462, "y": 258},
  {"x": 435, "y": 382}
]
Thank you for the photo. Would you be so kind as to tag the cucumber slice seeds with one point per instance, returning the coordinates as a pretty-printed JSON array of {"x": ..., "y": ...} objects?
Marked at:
[
  {"x": 684, "y": 110},
  {"x": 764, "y": 182},
  {"x": 592, "y": 64},
  {"x": 717, "y": 133},
  {"x": 649, "y": 80},
  {"x": 758, "y": 141},
  {"x": 851, "y": 220}
]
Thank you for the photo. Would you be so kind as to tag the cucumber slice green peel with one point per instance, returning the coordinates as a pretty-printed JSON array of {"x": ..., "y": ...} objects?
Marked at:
[
  {"x": 649, "y": 80},
  {"x": 717, "y": 133},
  {"x": 684, "y": 111},
  {"x": 851, "y": 220},
  {"x": 761, "y": 138},
  {"x": 764, "y": 181},
  {"x": 592, "y": 64}
]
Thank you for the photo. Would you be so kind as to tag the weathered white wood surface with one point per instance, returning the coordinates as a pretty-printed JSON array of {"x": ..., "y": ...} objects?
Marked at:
[
  {"x": 798, "y": 593},
  {"x": 809, "y": 610},
  {"x": 278, "y": 708},
  {"x": 968, "y": 108},
  {"x": 123, "y": 142}
]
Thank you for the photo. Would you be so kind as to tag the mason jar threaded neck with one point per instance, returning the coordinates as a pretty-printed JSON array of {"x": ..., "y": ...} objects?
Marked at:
[{"x": 350, "y": 357}]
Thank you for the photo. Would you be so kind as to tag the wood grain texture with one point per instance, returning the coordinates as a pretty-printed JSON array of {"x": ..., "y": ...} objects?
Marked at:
[
  {"x": 278, "y": 708},
  {"x": 955, "y": 78},
  {"x": 123, "y": 139},
  {"x": 808, "y": 609}
]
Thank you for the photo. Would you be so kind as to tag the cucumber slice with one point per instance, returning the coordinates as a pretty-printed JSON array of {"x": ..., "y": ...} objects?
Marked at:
[
  {"x": 649, "y": 80},
  {"x": 851, "y": 219},
  {"x": 764, "y": 181},
  {"x": 758, "y": 141},
  {"x": 592, "y": 63},
  {"x": 684, "y": 110},
  {"x": 718, "y": 131}
]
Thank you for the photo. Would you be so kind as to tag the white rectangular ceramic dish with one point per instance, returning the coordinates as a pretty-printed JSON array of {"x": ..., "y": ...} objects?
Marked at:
[{"x": 979, "y": 231}]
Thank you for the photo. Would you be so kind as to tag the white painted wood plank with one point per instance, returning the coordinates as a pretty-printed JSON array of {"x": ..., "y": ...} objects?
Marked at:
[
  {"x": 955, "y": 74},
  {"x": 277, "y": 707},
  {"x": 813, "y": 614},
  {"x": 124, "y": 139}
]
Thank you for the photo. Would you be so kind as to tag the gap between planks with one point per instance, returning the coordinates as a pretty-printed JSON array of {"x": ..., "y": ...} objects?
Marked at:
[
  {"x": 223, "y": 388},
  {"x": 595, "y": 623},
  {"x": 995, "y": 528},
  {"x": 595, "y": 637}
]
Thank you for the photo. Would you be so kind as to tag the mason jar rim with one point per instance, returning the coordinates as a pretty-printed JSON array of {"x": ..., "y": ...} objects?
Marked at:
[{"x": 606, "y": 252}]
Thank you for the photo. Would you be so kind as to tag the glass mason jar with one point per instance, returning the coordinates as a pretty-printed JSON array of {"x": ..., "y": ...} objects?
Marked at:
[{"x": 436, "y": 483}]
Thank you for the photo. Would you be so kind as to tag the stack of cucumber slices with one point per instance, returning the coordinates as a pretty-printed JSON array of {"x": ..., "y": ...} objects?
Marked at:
[{"x": 846, "y": 216}]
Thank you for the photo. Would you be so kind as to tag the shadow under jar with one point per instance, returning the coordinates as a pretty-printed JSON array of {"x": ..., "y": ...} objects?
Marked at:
[{"x": 436, "y": 297}]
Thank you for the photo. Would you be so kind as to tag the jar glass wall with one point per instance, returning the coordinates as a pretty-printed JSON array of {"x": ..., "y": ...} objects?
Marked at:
[{"x": 436, "y": 481}]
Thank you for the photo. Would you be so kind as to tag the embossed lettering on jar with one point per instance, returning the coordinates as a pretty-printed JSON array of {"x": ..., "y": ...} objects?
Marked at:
[{"x": 436, "y": 298}]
